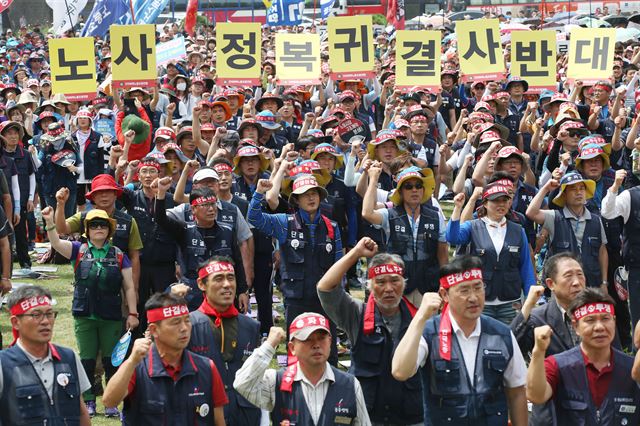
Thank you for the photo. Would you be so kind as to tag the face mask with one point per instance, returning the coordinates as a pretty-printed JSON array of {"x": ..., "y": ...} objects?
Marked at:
[{"x": 181, "y": 86}]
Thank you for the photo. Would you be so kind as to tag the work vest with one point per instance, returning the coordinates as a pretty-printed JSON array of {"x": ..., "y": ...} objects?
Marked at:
[
  {"x": 612, "y": 227},
  {"x": 335, "y": 205},
  {"x": 449, "y": 397},
  {"x": 574, "y": 404},
  {"x": 22, "y": 159},
  {"x": 93, "y": 160},
  {"x": 501, "y": 274},
  {"x": 159, "y": 248},
  {"x": 7, "y": 167},
  {"x": 421, "y": 267},
  {"x": 92, "y": 294},
  {"x": 564, "y": 240},
  {"x": 304, "y": 261},
  {"x": 263, "y": 243},
  {"x": 388, "y": 400},
  {"x": 339, "y": 408},
  {"x": 55, "y": 177},
  {"x": 158, "y": 400},
  {"x": 239, "y": 411},
  {"x": 631, "y": 235},
  {"x": 24, "y": 398},
  {"x": 123, "y": 229}
]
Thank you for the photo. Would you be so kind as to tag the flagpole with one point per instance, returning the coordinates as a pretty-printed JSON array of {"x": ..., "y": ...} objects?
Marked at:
[
  {"x": 133, "y": 16},
  {"x": 73, "y": 33}
]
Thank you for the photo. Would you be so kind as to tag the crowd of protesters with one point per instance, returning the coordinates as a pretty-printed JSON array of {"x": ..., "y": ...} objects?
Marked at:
[{"x": 182, "y": 206}]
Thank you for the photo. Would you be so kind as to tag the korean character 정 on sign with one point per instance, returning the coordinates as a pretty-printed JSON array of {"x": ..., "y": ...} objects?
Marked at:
[{"x": 241, "y": 60}]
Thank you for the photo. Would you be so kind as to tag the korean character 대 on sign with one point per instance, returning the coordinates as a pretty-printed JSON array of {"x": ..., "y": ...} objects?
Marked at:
[
  {"x": 594, "y": 52},
  {"x": 532, "y": 55},
  {"x": 299, "y": 55},
  {"x": 420, "y": 59},
  {"x": 243, "y": 59}
]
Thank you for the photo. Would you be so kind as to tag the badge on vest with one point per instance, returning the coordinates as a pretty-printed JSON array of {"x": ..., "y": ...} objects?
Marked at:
[
  {"x": 295, "y": 244},
  {"x": 63, "y": 379},
  {"x": 628, "y": 409},
  {"x": 203, "y": 410},
  {"x": 329, "y": 247},
  {"x": 399, "y": 228},
  {"x": 339, "y": 409},
  {"x": 514, "y": 249},
  {"x": 492, "y": 352}
]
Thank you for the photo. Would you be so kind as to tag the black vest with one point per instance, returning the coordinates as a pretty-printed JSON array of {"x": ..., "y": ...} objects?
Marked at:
[
  {"x": 335, "y": 205},
  {"x": 239, "y": 411},
  {"x": 93, "y": 156},
  {"x": 388, "y": 400},
  {"x": 304, "y": 262},
  {"x": 159, "y": 248},
  {"x": 123, "y": 229},
  {"x": 500, "y": 274},
  {"x": 55, "y": 177},
  {"x": 158, "y": 400},
  {"x": 564, "y": 239},
  {"x": 613, "y": 228},
  {"x": 240, "y": 189},
  {"x": 339, "y": 406},
  {"x": 449, "y": 396},
  {"x": 24, "y": 399},
  {"x": 631, "y": 235},
  {"x": 573, "y": 402},
  {"x": 22, "y": 160},
  {"x": 89, "y": 296},
  {"x": 420, "y": 257}
]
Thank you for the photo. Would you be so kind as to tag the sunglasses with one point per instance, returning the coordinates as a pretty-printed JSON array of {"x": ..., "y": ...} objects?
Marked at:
[
  {"x": 574, "y": 134},
  {"x": 409, "y": 186},
  {"x": 98, "y": 224}
]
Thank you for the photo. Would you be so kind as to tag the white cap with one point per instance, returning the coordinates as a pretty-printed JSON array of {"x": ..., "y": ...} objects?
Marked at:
[{"x": 203, "y": 174}]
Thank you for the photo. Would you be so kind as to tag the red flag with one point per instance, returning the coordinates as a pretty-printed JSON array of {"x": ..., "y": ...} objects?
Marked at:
[
  {"x": 4, "y": 5},
  {"x": 395, "y": 14},
  {"x": 190, "y": 18}
]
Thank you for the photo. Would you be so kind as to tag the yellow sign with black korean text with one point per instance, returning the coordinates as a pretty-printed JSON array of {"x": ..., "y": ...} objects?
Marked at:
[
  {"x": 351, "y": 47},
  {"x": 591, "y": 52},
  {"x": 298, "y": 59},
  {"x": 418, "y": 59},
  {"x": 479, "y": 50},
  {"x": 238, "y": 53},
  {"x": 533, "y": 58},
  {"x": 133, "y": 55},
  {"x": 73, "y": 68}
]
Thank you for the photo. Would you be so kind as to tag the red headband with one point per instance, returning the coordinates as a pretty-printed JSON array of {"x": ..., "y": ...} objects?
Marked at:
[
  {"x": 593, "y": 308},
  {"x": 444, "y": 332},
  {"x": 418, "y": 118},
  {"x": 222, "y": 167},
  {"x": 603, "y": 87},
  {"x": 149, "y": 164},
  {"x": 33, "y": 302},
  {"x": 385, "y": 269},
  {"x": 159, "y": 314},
  {"x": 204, "y": 200},
  {"x": 504, "y": 182},
  {"x": 215, "y": 267},
  {"x": 496, "y": 189}
]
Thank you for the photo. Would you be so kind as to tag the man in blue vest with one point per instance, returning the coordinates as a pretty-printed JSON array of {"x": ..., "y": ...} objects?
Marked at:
[
  {"x": 472, "y": 369},
  {"x": 162, "y": 382},
  {"x": 40, "y": 383},
  {"x": 309, "y": 391},
  {"x": 222, "y": 335},
  {"x": 592, "y": 383},
  {"x": 574, "y": 228},
  {"x": 375, "y": 329},
  {"x": 309, "y": 244}
]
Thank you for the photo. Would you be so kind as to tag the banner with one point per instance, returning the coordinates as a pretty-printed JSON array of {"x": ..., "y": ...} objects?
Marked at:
[
  {"x": 147, "y": 11},
  {"x": 591, "y": 52},
  {"x": 170, "y": 51},
  {"x": 351, "y": 47},
  {"x": 191, "y": 17},
  {"x": 298, "y": 59},
  {"x": 238, "y": 53},
  {"x": 533, "y": 58},
  {"x": 479, "y": 49},
  {"x": 4, "y": 5},
  {"x": 418, "y": 59},
  {"x": 104, "y": 14},
  {"x": 133, "y": 56},
  {"x": 285, "y": 12},
  {"x": 73, "y": 69},
  {"x": 62, "y": 11},
  {"x": 325, "y": 8},
  {"x": 395, "y": 14}
]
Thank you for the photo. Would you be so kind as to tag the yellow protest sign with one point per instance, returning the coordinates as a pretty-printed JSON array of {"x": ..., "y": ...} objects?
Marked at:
[
  {"x": 533, "y": 58},
  {"x": 133, "y": 55},
  {"x": 73, "y": 69},
  {"x": 238, "y": 53},
  {"x": 351, "y": 47},
  {"x": 591, "y": 52},
  {"x": 479, "y": 49},
  {"x": 298, "y": 59},
  {"x": 418, "y": 59}
]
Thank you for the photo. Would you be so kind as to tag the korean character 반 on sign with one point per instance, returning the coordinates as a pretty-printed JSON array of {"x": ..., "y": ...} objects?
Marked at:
[{"x": 532, "y": 55}]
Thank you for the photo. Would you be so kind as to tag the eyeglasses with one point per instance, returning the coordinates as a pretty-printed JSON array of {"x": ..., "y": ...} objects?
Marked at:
[
  {"x": 98, "y": 225},
  {"x": 466, "y": 291},
  {"x": 574, "y": 134},
  {"x": 39, "y": 316},
  {"x": 409, "y": 187},
  {"x": 207, "y": 206}
]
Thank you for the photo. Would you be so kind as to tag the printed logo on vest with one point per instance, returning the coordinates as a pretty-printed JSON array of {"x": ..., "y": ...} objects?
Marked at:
[{"x": 339, "y": 409}]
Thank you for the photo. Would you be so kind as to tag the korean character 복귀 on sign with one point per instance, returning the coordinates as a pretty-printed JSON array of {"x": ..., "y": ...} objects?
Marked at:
[
  {"x": 73, "y": 68},
  {"x": 298, "y": 59},
  {"x": 480, "y": 51},
  {"x": 351, "y": 47},
  {"x": 238, "y": 53}
]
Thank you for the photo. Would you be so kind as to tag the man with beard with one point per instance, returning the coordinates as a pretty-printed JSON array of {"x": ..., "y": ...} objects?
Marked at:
[
  {"x": 375, "y": 329},
  {"x": 471, "y": 367}
]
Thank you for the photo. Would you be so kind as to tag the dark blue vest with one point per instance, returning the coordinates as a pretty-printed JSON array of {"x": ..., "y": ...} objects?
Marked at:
[
  {"x": 240, "y": 188},
  {"x": 500, "y": 274},
  {"x": 55, "y": 177},
  {"x": 93, "y": 160},
  {"x": 564, "y": 240},
  {"x": 388, "y": 400},
  {"x": 238, "y": 411},
  {"x": 573, "y": 402},
  {"x": 335, "y": 205},
  {"x": 159, "y": 246},
  {"x": 123, "y": 229},
  {"x": 7, "y": 166},
  {"x": 24, "y": 399},
  {"x": 449, "y": 396},
  {"x": 158, "y": 400},
  {"x": 420, "y": 257},
  {"x": 22, "y": 160},
  {"x": 339, "y": 406},
  {"x": 631, "y": 235},
  {"x": 612, "y": 227},
  {"x": 304, "y": 261}
]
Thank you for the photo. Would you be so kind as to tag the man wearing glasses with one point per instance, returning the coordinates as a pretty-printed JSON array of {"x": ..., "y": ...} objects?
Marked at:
[{"x": 39, "y": 382}]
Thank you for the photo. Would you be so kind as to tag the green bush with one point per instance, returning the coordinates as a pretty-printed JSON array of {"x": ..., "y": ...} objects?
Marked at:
[{"x": 379, "y": 19}]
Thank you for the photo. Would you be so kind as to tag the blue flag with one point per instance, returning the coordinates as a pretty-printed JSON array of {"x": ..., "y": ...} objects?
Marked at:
[
  {"x": 104, "y": 14},
  {"x": 285, "y": 12},
  {"x": 146, "y": 11},
  {"x": 325, "y": 8}
]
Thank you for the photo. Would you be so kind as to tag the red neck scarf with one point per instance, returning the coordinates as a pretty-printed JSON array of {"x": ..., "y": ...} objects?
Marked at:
[
  {"x": 370, "y": 314},
  {"x": 207, "y": 309}
]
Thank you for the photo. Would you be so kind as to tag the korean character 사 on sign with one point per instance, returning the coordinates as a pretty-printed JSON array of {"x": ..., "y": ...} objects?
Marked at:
[
  {"x": 134, "y": 55},
  {"x": 480, "y": 51}
]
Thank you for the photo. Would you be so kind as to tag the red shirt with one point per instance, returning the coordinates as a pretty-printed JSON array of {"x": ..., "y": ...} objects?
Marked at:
[{"x": 599, "y": 380}]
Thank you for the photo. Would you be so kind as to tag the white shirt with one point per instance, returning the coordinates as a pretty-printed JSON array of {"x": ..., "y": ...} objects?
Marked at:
[
  {"x": 497, "y": 231},
  {"x": 258, "y": 385},
  {"x": 515, "y": 375},
  {"x": 614, "y": 205}
]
